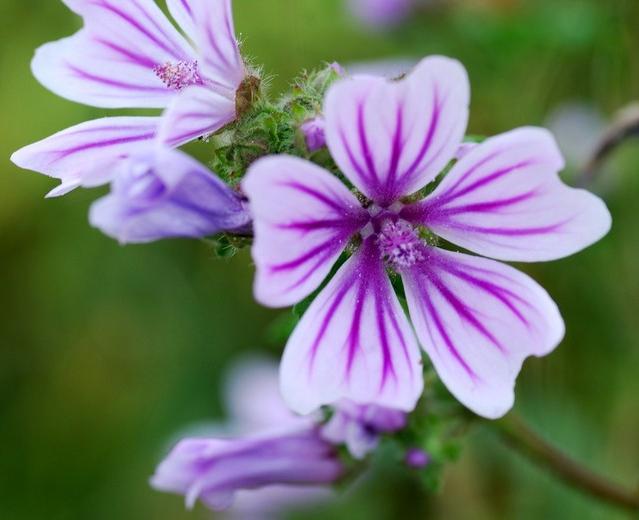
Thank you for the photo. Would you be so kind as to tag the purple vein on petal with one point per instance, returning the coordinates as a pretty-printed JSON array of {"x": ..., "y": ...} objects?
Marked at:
[
  {"x": 101, "y": 144},
  {"x": 338, "y": 299},
  {"x": 363, "y": 143},
  {"x": 463, "y": 311},
  {"x": 176, "y": 52},
  {"x": 502, "y": 294},
  {"x": 421, "y": 154},
  {"x": 114, "y": 83},
  {"x": 450, "y": 345},
  {"x": 396, "y": 153},
  {"x": 483, "y": 181},
  {"x": 139, "y": 59}
]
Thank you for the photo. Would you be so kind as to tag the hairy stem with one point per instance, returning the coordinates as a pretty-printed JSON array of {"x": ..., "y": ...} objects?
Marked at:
[{"x": 524, "y": 439}]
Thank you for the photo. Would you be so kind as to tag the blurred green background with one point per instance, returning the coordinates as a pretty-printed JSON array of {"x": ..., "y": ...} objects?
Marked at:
[{"x": 106, "y": 352}]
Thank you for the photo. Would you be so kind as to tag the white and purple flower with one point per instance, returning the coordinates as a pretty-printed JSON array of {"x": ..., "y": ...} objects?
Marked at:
[
  {"x": 477, "y": 319},
  {"x": 164, "y": 193},
  {"x": 270, "y": 458},
  {"x": 129, "y": 55}
]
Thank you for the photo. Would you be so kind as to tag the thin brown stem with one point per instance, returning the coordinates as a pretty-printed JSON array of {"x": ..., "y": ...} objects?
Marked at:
[
  {"x": 524, "y": 439},
  {"x": 625, "y": 126}
]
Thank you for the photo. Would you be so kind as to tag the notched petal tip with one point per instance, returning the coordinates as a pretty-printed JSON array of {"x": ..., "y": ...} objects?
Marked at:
[{"x": 478, "y": 320}]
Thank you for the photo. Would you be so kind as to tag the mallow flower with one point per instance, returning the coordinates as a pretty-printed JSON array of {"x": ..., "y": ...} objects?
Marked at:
[
  {"x": 162, "y": 193},
  {"x": 129, "y": 55},
  {"x": 269, "y": 458},
  {"x": 476, "y": 318}
]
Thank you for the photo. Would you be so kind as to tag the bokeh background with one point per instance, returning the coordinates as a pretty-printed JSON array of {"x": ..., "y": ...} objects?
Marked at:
[{"x": 106, "y": 352}]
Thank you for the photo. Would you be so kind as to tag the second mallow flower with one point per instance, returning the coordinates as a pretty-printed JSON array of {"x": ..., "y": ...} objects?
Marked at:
[
  {"x": 164, "y": 193},
  {"x": 476, "y": 318},
  {"x": 266, "y": 459}
]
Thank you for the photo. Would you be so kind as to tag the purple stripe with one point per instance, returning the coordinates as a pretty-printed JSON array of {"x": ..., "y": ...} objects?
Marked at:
[
  {"x": 472, "y": 170},
  {"x": 101, "y": 129},
  {"x": 400, "y": 335},
  {"x": 187, "y": 7},
  {"x": 351, "y": 157},
  {"x": 396, "y": 153},
  {"x": 318, "y": 195},
  {"x": 101, "y": 144},
  {"x": 484, "y": 207},
  {"x": 387, "y": 359},
  {"x": 509, "y": 232},
  {"x": 214, "y": 45},
  {"x": 363, "y": 143},
  {"x": 356, "y": 325},
  {"x": 178, "y": 55},
  {"x": 434, "y": 121},
  {"x": 314, "y": 225},
  {"x": 301, "y": 260},
  {"x": 323, "y": 258},
  {"x": 114, "y": 83},
  {"x": 485, "y": 180},
  {"x": 339, "y": 298},
  {"x": 432, "y": 311},
  {"x": 463, "y": 311},
  {"x": 498, "y": 292},
  {"x": 140, "y": 60}
]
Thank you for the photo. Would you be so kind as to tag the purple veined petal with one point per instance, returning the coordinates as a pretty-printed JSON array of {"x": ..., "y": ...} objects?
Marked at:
[
  {"x": 354, "y": 342},
  {"x": 86, "y": 154},
  {"x": 167, "y": 194},
  {"x": 505, "y": 200},
  {"x": 182, "y": 13},
  {"x": 393, "y": 138},
  {"x": 110, "y": 63},
  {"x": 213, "y": 470},
  {"x": 303, "y": 219},
  {"x": 478, "y": 320},
  {"x": 195, "y": 112},
  {"x": 220, "y": 59}
]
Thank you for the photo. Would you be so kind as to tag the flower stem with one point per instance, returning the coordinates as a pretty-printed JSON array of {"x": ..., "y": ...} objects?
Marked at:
[
  {"x": 524, "y": 439},
  {"x": 625, "y": 126}
]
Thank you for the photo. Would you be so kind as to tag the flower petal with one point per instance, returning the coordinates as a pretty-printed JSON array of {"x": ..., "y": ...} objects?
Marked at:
[
  {"x": 110, "y": 62},
  {"x": 182, "y": 13},
  {"x": 303, "y": 220},
  {"x": 220, "y": 59},
  {"x": 354, "y": 342},
  {"x": 166, "y": 194},
  {"x": 195, "y": 112},
  {"x": 504, "y": 200},
  {"x": 392, "y": 138},
  {"x": 85, "y": 154},
  {"x": 478, "y": 320},
  {"x": 213, "y": 470}
]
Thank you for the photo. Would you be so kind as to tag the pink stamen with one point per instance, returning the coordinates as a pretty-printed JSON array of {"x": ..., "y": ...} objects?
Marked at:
[
  {"x": 400, "y": 245},
  {"x": 178, "y": 76}
]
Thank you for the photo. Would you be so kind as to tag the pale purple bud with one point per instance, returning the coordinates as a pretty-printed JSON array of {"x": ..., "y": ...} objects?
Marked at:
[
  {"x": 164, "y": 193},
  {"x": 381, "y": 13},
  {"x": 314, "y": 133},
  {"x": 338, "y": 69},
  {"x": 360, "y": 426},
  {"x": 417, "y": 458},
  {"x": 213, "y": 470}
]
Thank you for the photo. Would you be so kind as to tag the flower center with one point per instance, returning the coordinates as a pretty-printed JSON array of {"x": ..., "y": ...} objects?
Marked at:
[
  {"x": 178, "y": 76},
  {"x": 400, "y": 244}
]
